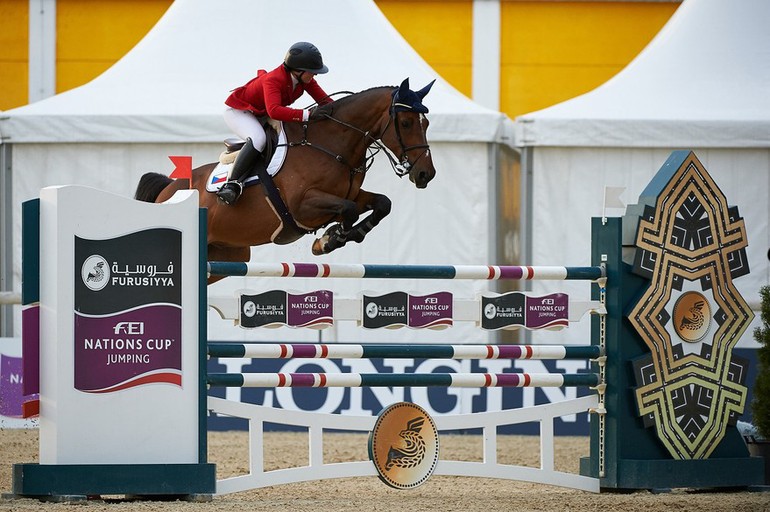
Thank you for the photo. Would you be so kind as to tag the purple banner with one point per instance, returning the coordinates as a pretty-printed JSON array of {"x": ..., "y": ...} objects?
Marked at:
[
  {"x": 11, "y": 396},
  {"x": 124, "y": 350},
  {"x": 128, "y": 311},
  {"x": 548, "y": 311},
  {"x": 516, "y": 309},
  {"x": 30, "y": 349},
  {"x": 312, "y": 309},
  {"x": 430, "y": 311}
]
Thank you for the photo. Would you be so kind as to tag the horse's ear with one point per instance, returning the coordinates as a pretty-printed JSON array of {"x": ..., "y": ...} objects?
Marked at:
[
  {"x": 404, "y": 89},
  {"x": 425, "y": 90}
]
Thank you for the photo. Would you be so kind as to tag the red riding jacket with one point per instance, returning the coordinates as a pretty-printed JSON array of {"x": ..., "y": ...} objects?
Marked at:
[{"x": 269, "y": 93}]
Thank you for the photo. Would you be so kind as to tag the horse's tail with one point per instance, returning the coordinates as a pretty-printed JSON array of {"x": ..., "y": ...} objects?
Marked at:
[{"x": 150, "y": 186}]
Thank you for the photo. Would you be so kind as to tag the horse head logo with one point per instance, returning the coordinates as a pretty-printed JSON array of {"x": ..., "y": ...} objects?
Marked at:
[
  {"x": 412, "y": 450},
  {"x": 405, "y": 99}
]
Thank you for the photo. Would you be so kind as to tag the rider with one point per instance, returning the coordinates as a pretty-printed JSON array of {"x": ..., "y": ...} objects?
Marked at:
[{"x": 269, "y": 94}]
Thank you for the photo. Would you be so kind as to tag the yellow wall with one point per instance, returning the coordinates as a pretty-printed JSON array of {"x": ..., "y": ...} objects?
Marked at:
[
  {"x": 92, "y": 36},
  {"x": 14, "y": 53},
  {"x": 551, "y": 50},
  {"x": 440, "y": 31}
]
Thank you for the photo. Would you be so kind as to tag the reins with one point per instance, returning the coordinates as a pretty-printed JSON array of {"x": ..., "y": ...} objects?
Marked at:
[{"x": 401, "y": 166}]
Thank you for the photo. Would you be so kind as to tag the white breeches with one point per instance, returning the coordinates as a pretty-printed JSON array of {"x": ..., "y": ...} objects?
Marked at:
[{"x": 246, "y": 125}]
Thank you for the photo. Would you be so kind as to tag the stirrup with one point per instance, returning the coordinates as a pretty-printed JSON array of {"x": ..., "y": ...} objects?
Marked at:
[{"x": 230, "y": 192}]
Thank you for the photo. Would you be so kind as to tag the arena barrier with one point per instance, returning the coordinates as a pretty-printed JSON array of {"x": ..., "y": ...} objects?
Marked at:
[
  {"x": 489, "y": 422},
  {"x": 544, "y": 415},
  {"x": 123, "y": 407}
]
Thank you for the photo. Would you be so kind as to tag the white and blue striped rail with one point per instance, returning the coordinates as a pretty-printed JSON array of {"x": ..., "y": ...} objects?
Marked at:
[
  {"x": 354, "y": 270},
  {"x": 400, "y": 351},
  {"x": 354, "y": 380}
]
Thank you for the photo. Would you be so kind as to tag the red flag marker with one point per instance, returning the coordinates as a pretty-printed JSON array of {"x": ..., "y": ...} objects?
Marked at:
[{"x": 183, "y": 169}]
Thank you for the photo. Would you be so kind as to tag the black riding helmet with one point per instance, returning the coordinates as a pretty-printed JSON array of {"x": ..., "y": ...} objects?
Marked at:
[{"x": 305, "y": 57}]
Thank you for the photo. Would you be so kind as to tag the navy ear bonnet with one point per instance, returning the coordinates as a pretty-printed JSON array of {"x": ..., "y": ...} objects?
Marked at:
[{"x": 406, "y": 100}]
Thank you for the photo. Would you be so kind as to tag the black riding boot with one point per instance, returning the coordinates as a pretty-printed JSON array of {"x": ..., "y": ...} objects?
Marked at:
[{"x": 244, "y": 163}]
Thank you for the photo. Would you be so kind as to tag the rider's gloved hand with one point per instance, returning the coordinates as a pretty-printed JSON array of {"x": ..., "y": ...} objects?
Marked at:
[{"x": 315, "y": 114}]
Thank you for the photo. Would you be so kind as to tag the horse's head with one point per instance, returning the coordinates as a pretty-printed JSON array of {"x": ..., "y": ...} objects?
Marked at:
[{"x": 407, "y": 139}]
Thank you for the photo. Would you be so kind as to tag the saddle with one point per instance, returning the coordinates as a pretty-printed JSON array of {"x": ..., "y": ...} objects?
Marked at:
[
  {"x": 233, "y": 145},
  {"x": 288, "y": 231}
]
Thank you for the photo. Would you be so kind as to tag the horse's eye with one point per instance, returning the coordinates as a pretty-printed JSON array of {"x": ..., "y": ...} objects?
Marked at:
[{"x": 406, "y": 123}]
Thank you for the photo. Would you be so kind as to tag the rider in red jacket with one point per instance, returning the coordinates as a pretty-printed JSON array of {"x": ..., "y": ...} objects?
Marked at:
[{"x": 269, "y": 94}]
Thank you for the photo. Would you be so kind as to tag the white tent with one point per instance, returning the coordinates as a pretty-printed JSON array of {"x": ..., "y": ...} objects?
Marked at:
[
  {"x": 701, "y": 84},
  {"x": 166, "y": 96}
]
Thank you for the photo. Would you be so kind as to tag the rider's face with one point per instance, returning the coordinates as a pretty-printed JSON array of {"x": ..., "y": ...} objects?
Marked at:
[{"x": 306, "y": 76}]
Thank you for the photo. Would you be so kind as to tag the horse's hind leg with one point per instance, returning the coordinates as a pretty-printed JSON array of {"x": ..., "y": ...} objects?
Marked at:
[{"x": 340, "y": 234}]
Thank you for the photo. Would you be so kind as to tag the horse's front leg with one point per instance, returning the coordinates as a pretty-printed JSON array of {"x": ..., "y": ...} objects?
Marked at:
[
  {"x": 340, "y": 234},
  {"x": 317, "y": 207},
  {"x": 380, "y": 207}
]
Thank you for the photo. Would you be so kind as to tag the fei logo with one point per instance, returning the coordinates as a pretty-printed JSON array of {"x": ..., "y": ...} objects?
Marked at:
[
  {"x": 129, "y": 328},
  {"x": 95, "y": 272}
]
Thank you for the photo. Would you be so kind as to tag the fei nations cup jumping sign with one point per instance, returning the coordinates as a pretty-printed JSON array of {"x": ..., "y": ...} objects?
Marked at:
[{"x": 118, "y": 306}]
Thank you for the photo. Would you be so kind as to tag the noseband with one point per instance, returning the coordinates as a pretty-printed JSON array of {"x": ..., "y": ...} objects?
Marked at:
[{"x": 402, "y": 166}]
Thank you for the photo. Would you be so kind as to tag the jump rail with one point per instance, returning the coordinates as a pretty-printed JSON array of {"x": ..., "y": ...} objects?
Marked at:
[
  {"x": 401, "y": 351},
  {"x": 356, "y": 380},
  {"x": 353, "y": 270}
]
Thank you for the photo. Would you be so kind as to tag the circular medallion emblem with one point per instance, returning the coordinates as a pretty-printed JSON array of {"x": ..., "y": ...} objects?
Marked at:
[
  {"x": 95, "y": 272},
  {"x": 372, "y": 310},
  {"x": 692, "y": 317},
  {"x": 249, "y": 308},
  {"x": 404, "y": 445}
]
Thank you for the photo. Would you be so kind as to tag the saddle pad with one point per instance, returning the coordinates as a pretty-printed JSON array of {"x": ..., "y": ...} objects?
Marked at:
[{"x": 219, "y": 174}]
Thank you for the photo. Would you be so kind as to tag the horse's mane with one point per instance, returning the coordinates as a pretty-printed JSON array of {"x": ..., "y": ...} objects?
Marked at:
[{"x": 329, "y": 108}]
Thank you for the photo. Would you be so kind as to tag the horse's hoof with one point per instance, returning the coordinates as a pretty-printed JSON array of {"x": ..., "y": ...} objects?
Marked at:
[{"x": 317, "y": 247}]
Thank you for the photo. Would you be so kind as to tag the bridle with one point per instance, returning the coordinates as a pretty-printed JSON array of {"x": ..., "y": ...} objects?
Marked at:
[{"x": 400, "y": 164}]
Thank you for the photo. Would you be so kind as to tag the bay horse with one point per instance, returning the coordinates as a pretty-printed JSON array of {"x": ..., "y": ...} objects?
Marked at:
[{"x": 320, "y": 181}]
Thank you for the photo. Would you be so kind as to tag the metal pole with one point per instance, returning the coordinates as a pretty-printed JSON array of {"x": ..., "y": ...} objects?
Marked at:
[{"x": 6, "y": 239}]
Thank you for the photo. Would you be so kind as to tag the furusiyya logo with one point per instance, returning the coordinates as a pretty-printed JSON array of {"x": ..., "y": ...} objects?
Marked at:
[
  {"x": 142, "y": 275},
  {"x": 252, "y": 309},
  {"x": 95, "y": 272},
  {"x": 372, "y": 310}
]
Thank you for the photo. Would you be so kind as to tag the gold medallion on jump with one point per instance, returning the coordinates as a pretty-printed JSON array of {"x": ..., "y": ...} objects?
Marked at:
[
  {"x": 692, "y": 317},
  {"x": 404, "y": 445}
]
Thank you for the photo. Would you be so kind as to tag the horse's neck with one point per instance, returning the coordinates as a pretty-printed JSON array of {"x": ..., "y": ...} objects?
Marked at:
[
  {"x": 359, "y": 121},
  {"x": 369, "y": 111}
]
